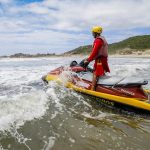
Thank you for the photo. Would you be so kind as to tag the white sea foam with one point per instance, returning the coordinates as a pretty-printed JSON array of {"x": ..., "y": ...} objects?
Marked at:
[
  {"x": 20, "y": 99},
  {"x": 55, "y": 99},
  {"x": 129, "y": 69},
  {"x": 49, "y": 145},
  {"x": 27, "y": 59},
  {"x": 21, "y": 108},
  {"x": 100, "y": 116}
]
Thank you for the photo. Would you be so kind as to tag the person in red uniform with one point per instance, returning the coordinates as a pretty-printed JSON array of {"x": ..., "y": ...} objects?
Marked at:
[{"x": 99, "y": 54}]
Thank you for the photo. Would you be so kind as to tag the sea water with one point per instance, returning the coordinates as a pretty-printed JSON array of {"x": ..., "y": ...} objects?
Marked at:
[{"x": 38, "y": 117}]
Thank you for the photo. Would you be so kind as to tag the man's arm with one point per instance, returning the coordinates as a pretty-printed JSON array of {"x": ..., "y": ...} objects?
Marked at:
[{"x": 97, "y": 44}]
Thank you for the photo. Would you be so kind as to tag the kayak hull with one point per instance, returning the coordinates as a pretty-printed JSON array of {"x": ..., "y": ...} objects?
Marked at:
[{"x": 126, "y": 103}]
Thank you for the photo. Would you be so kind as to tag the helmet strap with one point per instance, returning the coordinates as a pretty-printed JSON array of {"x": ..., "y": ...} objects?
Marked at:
[{"x": 95, "y": 35}]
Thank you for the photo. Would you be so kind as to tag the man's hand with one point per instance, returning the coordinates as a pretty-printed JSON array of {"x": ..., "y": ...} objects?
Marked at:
[{"x": 86, "y": 61}]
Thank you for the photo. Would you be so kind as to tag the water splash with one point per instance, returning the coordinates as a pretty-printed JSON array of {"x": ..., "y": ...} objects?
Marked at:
[{"x": 21, "y": 108}]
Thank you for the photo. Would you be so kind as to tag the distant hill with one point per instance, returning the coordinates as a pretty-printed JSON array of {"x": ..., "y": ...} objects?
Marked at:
[
  {"x": 127, "y": 46},
  {"x": 21, "y": 55}
]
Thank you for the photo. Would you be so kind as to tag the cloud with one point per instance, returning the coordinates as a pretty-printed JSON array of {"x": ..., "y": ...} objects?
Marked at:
[
  {"x": 5, "y": 1},
  {"x": 50, "y": 24},
  {"x": 40, "y": 41}
]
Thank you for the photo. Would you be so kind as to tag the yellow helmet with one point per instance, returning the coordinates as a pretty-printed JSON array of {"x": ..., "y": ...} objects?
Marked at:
[{"x": 97, "y": 29}]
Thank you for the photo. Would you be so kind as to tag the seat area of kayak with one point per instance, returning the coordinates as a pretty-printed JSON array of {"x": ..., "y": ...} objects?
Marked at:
[{"x": 115, "y": 80}]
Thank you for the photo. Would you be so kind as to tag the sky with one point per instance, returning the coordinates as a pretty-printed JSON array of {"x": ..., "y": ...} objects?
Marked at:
[{"x": 56, "y": 26}]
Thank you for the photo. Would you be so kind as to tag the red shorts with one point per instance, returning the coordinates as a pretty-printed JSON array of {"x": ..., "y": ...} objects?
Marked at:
[
  {"x": 105, "y": 64},
  {"x": 98, "y": 69}
]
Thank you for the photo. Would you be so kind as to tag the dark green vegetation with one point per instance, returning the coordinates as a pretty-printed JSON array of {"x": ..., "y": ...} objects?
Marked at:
[{"x": 127, "y": 46}]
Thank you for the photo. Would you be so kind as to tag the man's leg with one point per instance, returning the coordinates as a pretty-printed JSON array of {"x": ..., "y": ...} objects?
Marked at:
[{"x": 94, "y": 82}]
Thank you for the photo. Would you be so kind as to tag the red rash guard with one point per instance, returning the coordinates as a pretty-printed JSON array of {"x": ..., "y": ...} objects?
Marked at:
[
  {"x": 99, "y": 68},
  {"x": 96, "y": 47}
]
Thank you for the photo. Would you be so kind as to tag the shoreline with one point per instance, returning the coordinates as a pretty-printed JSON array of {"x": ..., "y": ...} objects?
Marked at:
[
  {"x": 130, "y": 56},
  {"x": 112, "y": 55},
  {"x": 84, "y": 55}
]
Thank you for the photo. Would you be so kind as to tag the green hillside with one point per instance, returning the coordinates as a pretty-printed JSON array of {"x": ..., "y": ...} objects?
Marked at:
[
  {"x": 137, "y": 43},
  {"x": 127, "y": 46},
  {"x": 81, "y": 50}
]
